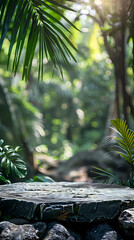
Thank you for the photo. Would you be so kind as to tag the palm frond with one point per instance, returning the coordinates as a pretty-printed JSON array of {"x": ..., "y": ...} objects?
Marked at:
[
  {"x": 32, "y": 22},
  {"x": 124, "y": 145},
  {"x": 124, "y": 140},
  {"x": 108, "y": 175}
]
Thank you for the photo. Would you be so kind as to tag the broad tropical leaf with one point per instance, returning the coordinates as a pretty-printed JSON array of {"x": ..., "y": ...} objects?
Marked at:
[
  {"x": 27, "y": 23},
  {"x": 40, "y": 179},
  {"x": 11, "y": 162},
  {"x": 3, "y": 179}
]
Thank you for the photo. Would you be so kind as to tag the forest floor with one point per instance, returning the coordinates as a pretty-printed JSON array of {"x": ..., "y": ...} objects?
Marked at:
[{"x": 80, "y": 167}]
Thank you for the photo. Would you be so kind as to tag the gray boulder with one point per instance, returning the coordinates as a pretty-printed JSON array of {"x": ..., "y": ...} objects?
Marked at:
[
  {"x": 10, "y": 231},
  {"x": 57, "y": 232},
  {"x": 102, "y": 231},
  {"x": 126, "y": 220}
]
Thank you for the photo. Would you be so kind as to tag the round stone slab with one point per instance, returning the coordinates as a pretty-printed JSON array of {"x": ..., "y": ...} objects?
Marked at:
[{"x": 79, "y": 202}]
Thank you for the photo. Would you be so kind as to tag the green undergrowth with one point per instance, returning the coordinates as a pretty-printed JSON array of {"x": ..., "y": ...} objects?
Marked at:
[
  {"x": 123, "y": 144},
  {"x": 11, "y": 163}
]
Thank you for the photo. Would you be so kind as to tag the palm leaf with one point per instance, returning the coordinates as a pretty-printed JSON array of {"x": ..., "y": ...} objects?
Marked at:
[
  {"x": 7, "y": 17},
  {"x": 124, "y": 140},
  {"x": 124, "y": 145},
  {"x": 107, "y": 175},
  {"x": 32, "y": 22}
]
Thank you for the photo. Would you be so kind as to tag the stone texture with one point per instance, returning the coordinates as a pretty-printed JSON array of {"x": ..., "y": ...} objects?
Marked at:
[
  {"x": 17, "y": 209},
  {"x": 19, "y": 221},
  {"x": 40, "y": 228},
  {"x": 126, "y": 218},
  {"x": 75, "y": 235},
  {"x": 79, "y": 202},
  {"x": 10, "y": 231},
  {"x": 57, "y": 232},
  {"x": 102, "y": 232},
  {"x": 72, "y": 211}
]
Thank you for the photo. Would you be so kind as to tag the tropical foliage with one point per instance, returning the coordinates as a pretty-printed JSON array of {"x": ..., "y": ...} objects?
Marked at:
[
  {"x": 40, "y": 179},
  {"x": 26, "y": 23},
  {"x": 123, "y": 144},
  {"x": 58, "y": 117},
  {"x": 11, "y": 163}
]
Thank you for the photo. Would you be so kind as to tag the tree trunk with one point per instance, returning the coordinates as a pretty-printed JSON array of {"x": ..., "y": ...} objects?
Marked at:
[
  {"x": 120, "y": 73},
  {"x": 117, "y": 93},
  {"x": 124, "y": 76}
]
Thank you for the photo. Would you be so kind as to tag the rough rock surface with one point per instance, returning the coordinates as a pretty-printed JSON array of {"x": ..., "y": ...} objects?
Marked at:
[
  {"x": 79, "y": 202},
  {"x": 57, "y": 231},
  {"x": 126, "y": 218},
  {"x": 102, "y": 232},
  {"x": 19, "y": 221},
  {"x": 63, "y": 210},
  {"x": 10, "y": 231}
]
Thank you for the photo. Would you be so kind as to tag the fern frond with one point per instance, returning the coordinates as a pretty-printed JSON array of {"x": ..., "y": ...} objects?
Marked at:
[
  {"x": 124, "y": 140},
  {"x": 124, "y": 145},
  {"x": 107, "y": 175}
]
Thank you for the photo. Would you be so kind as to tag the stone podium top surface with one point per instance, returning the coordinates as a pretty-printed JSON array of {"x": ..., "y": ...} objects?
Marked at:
[
  {"x": 65, "y": 191},
  {"x": 64, "y": 200}
]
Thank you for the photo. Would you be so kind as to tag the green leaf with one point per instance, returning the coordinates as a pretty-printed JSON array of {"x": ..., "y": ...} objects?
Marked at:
[
  {"x": 7, "y": 19},
  {"x": 32, "y": 40},
  {"x": 108, "y": 175},
  {"x": 124, "y": 140},
  {"x": 3, "y": 9},
  {"x": 17, "y": 148},
  {"x": 3, "y": 162},
  {"x": 11, "y": 162},
  {"x": 52, "y": 18},
  {"x": 2, "y": 178},
  {"x": 1, "y": 142},
  {"x": 60, "y": 5},
  {"x": 20, "y": 13},
  {"x": 27, "y": 17},
  {"x": 41, "y": 179},
  {"x": 23, "y": 31}
]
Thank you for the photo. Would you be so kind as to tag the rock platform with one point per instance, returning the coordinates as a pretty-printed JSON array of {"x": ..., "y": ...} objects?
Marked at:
[{"x": 63, "y": 205}]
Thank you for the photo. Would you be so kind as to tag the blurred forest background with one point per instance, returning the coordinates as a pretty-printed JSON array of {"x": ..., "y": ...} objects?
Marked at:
[{"x": 65, "y": 116}]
